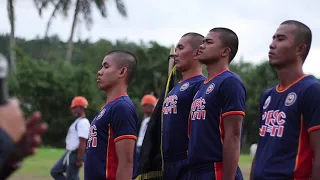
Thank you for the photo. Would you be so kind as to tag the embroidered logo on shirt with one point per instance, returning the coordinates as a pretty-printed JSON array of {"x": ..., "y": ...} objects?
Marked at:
[
  {"x": 210, "y": 88},
  {"x": 101, "y": 114},
  {"x": 291, "y": 98},
  {"x": 184, "y": 86},
  {"x": 266, "y": 102}
]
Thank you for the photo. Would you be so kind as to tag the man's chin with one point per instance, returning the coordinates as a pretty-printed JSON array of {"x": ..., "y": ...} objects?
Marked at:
[
  {"x": 179, "y": 68},
  {"x": 101, "y": 87},
  {"x": 276, "y": 64},
  {"x": 202, "y": 60},
  {"x": 273, "y": 63},
  {"x": 76, "y": 115}
]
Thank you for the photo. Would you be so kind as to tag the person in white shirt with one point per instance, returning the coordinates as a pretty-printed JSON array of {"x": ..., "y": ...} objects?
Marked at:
[
  {"x": 76, "y": 139},
  {"x": 148, "y": 103}
]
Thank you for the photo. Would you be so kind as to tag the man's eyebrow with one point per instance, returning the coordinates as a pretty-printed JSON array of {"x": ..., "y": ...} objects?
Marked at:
[
  {"x": 179, "y": 45},
  {"x": 206, "y": 39},
  {"x": 278, "y": 35}
]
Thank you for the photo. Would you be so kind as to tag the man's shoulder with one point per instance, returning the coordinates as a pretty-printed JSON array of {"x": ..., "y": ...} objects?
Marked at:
[
  {"x": 230, "y": 75},
  {"x": 309, "y": 83},
  {"x": 197, "y": 79},
  {"x": 83, "y": 119},
  {"x": 268, "y": 91},
  {"x": 232, "y": 80},
  {"x": 123, "y": 107},
  {"x": 123, "y": 102},
  {"x": 83, "y": 122}
]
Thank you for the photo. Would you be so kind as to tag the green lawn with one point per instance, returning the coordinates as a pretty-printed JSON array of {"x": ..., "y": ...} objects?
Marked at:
[{"x": 38, "y": 167}]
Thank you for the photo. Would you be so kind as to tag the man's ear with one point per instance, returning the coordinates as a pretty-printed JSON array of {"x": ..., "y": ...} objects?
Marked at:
[
  {"x": 195, "y": 54},
  {"x": 226, "y": 52},
  {"x": 123, "y": 71},
  {"x": 301, "y": 49}
]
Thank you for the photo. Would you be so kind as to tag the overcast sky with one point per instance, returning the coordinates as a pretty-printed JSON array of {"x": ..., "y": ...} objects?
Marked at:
[{"x": 166, "y": 20}]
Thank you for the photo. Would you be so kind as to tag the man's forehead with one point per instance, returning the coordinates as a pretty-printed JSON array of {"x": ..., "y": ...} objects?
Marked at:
[
  {"x": 184, "y": 40},
  {"x": 107, "y": 59},
  {"x": 212, "y": 35},
  {"x": 285, "y": 29}
]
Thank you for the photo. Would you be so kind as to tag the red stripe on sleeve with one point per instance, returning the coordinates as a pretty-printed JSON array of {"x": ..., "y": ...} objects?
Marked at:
[
  {"x": 233, "y": 113},
  {"x": 125, "y": 137}
]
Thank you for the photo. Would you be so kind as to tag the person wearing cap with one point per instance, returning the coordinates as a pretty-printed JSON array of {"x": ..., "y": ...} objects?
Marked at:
[
  {"x": 148, "y": 103},
  {"x": 76, "y": 139}
]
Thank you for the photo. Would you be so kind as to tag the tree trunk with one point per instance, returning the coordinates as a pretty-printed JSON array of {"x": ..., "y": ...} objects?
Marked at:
[
  {"x": 56, "y": 6},
  {"x": 12, "y": 37},
  {"x": 70, "y": 43}
]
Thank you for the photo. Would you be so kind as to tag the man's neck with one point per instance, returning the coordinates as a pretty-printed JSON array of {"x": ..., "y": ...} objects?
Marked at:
[
  {"x": 289, "y": 75},
  {"x": 215, "y": 68},
  {"x": 82, "y": 115},
  {"x": 191, "y": 72},
  {"x": 115, "y": 92},
  {"x": 147, "y": 116}
]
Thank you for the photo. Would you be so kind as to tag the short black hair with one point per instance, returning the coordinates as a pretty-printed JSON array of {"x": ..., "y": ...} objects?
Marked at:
[
  {"x": 302, "y": 33},
  {"x": 228, "y": 38},
  {"x": 195, "y": 39},
  {"x": 126, "y": 59}
]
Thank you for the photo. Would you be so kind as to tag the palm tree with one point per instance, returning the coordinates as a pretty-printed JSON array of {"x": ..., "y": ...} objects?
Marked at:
[
  {"x": 60, "y": 6},
  {"x": 10, "y": 7},
  {"x": 82, "y": 7}
]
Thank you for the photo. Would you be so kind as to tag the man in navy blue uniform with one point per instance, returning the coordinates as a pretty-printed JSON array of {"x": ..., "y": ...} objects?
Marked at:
[
  {"x": 113, "y": 132},
  {"x": 288, "y": 146},
  {"x": 176, "y": 106},
  {"x": 217, "y": 112}
]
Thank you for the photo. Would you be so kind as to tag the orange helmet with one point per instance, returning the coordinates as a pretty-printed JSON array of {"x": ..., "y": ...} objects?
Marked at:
[
  {"x": 79, "y": 101},
  {"x": 149, "y": 99}
]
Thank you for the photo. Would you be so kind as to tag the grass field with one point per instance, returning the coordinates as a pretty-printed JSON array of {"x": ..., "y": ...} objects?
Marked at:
[{"x": 38, "y": 167}]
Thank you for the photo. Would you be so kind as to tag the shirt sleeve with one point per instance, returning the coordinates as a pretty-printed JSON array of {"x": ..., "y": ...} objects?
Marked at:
[
  {"x": 233, "y": 97},
  {"x": 83, "y": 128},
  {"x": 311, "y": 107},
  {"x": 124, "y": 122}
]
